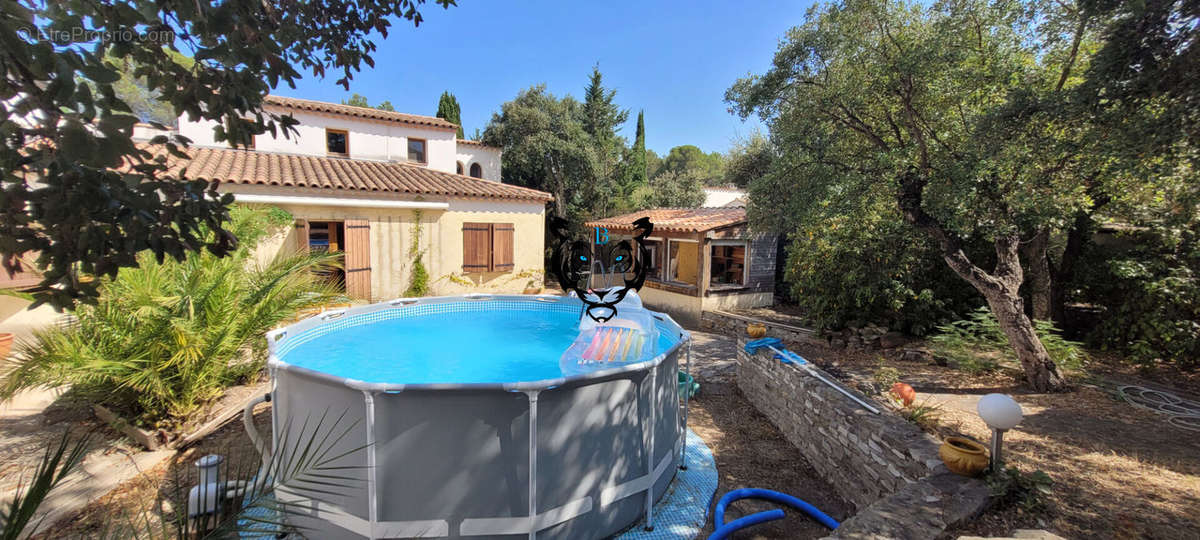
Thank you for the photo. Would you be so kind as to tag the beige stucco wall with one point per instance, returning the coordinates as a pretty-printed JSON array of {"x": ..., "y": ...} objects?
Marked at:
[
  {"x": 685, "y": 309},
  {"x": 528, "y": 219},
  {"x": 738, "y": 301},
  {"x": 440, "y": 240}
]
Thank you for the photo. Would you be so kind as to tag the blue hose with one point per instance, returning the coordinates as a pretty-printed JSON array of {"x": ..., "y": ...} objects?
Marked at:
[
  {"x": 727, "y": 529},
  {"x": 753, "y": 346},
  {"x": 723, "y": 530}
]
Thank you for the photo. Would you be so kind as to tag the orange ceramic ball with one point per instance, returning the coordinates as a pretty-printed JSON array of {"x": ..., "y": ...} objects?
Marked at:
[{"x": 904, "y": 393}]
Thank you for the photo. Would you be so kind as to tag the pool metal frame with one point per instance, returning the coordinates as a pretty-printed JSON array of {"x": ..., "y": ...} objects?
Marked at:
[{"x": 533, "y": 521}]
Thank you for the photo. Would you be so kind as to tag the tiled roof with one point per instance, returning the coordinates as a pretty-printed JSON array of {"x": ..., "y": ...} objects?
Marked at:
[
  {"x": 677, "y": 219},
  {"x": 369, "y": 113},
  {"x": 469, "y": 142},
  {"x": 251, "y": 167}
]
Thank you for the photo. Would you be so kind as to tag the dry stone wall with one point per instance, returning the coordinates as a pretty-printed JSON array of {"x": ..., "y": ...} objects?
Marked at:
[{"x": 887, "y": 467}]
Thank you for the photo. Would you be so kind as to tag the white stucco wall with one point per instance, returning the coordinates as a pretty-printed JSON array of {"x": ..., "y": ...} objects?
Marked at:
[
  {"x": 369, "y": 139},
  {"x": 486, "y": 156},
  {"x": 716, "y": 197}
]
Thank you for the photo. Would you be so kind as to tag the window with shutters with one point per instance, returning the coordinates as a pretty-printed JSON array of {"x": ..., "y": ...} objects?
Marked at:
[{"x": 487, "y": 247}]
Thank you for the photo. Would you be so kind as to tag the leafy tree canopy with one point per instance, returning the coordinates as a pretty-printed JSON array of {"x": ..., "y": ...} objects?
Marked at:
[
  {"x": 143, "y": 102},
  {"x": 670, "y": 190},
  {"x": 357, "y": 100},
  {"x": 545, "y": 147},
  {"x": 940, "y": 108},
  {"x": 749, "y": 160},
  {"x": 64, "y": 138},
  {"x": 690, "y": 158}
]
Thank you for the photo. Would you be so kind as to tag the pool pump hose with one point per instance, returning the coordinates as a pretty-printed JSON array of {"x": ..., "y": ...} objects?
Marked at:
[{"x": 722, "y": 530}]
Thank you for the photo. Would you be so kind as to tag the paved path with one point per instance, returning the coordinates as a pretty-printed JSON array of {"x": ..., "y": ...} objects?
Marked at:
[
  {"x": 714, "y": 357},
  {"x": 26, "y": 431}
]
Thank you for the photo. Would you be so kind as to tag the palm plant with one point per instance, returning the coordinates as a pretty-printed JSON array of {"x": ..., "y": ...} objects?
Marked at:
[
  {"x": 168, "y": 336},
  {"x": 16, "y": 517},
  {"x": 310, "y": 462}
]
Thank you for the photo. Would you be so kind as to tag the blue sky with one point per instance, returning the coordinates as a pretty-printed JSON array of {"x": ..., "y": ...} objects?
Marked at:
[{"x": 673, "y": 59}]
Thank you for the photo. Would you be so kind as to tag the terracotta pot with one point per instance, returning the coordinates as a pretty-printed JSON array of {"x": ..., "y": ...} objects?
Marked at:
[
  {"x": 756, "y": 330},
  {"x": 6, "y": 341},
  {"x": 964, "y": 456},
  {"x": 904, "y": 393}
]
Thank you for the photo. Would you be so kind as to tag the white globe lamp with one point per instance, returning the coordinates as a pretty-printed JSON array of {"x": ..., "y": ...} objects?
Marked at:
[{"x": 1001, "y": 413}]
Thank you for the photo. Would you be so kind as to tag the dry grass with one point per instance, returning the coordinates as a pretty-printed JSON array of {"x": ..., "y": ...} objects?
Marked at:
[{"x": 1118, "y": 471}]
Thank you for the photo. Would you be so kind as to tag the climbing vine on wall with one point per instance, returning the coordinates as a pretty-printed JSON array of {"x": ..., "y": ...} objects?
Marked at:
[{"x": 419, "y": 286}]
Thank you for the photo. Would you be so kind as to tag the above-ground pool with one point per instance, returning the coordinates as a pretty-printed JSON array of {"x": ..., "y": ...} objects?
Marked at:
[{"x": 456, "y": 420}]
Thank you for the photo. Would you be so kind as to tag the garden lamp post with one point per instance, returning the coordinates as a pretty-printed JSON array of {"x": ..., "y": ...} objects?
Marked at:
[{"x": 1001, "y": 413}]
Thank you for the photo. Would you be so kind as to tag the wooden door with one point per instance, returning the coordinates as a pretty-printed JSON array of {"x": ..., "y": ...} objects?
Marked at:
[
  {"x": 302, "y": 235},
  {"x": 357, "y": 245}
]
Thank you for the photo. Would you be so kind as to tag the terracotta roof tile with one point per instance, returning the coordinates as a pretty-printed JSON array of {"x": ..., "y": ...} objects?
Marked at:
[
  {"x": 251, "y": 167},
  {"x": 677, "y": 219},
  {"x": 359, "y": 112},
  {"x": 469, "y": 142}
]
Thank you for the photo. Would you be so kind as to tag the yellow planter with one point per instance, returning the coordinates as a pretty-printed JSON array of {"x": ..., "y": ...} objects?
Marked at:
[
  {"x": 964, "y": 456},
  {"x": 756, "y": 330}
]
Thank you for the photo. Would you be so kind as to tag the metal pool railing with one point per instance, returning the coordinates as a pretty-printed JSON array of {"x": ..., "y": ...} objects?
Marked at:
[{"x": 284, "y": 340}]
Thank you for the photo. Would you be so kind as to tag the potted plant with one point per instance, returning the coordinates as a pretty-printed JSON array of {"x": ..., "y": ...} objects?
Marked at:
[
  {"x": 756, "y": 330},
  {"x": 963, "y": 456}
]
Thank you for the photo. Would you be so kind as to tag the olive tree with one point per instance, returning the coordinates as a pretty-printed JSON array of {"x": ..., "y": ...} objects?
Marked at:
[
  {"x": 907, "y": 100},
  {"x": 75, "y": 189}
]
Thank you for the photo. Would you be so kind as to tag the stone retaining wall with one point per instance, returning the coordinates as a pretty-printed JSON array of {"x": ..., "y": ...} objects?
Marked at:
[
  {"x": 887, "y": 467},
  {"x": 734, "y": 325},
  {"x": 867, "y": 338}
]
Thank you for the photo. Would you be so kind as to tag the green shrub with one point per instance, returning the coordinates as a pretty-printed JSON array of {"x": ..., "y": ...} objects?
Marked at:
[
  {"x": 1010, "y": 486},
  {"x": 886, "y": 376},
  {"x": 419, "y": 282},
  {"x": 420, "y": 279},
  {"x": 1150, "y": 289},
  {"x": 974, "y": 343},
  {"x": 166, "y": 337},
  {"x": 856, "y": 269}
]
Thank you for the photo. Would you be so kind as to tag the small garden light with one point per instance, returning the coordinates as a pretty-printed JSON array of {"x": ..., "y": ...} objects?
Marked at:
[{"x": 1001, "y": 413}]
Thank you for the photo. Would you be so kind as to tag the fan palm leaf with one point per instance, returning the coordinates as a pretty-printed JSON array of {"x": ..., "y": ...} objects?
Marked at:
[{"x": 168, "y": 336}]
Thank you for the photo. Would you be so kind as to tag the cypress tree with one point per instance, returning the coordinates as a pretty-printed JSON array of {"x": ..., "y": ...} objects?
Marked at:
[
  {"x": 637, "y": 159},
  {"x": 449, "y": 110}
]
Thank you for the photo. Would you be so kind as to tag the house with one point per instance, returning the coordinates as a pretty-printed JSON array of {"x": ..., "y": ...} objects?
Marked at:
[
  {"x": 701, "y": 259},
  {"x": 381, "y": 187}
]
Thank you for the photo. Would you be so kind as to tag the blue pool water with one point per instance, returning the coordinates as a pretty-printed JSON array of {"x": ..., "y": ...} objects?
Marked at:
[{"x": 468, "y": 347}]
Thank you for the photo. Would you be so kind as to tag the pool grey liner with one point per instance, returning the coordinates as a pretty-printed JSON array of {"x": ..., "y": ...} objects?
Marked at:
[{"x": 572, "y": 457}]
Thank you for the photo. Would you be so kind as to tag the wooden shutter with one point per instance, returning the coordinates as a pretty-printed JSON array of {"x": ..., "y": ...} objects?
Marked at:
[
  {"x": 477, "y": 247},
  {"x": 302, "y": 235},
  {"x": 502, "y": 247},
  {"x": 357, "y": 244}
]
